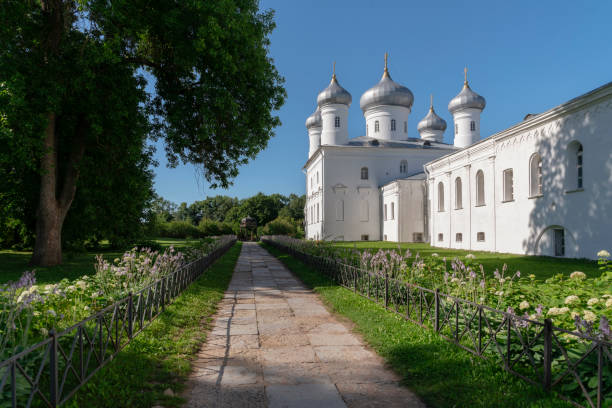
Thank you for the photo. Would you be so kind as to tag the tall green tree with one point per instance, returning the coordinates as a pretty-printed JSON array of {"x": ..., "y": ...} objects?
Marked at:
[{"x": 70, "y": 67}]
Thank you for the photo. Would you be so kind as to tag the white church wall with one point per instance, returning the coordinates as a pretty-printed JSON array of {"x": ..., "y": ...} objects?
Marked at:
[
  {"x": 527, "y": 224},
  {"x": 384, "y": 115},
  {"x": 390, "y": 200}
]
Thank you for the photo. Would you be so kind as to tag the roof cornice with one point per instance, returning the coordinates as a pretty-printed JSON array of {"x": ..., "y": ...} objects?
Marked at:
[{"x": 573, "y": 105}]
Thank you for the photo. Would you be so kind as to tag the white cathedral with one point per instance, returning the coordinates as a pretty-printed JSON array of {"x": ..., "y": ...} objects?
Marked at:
[{"x": 542, "y": 186}]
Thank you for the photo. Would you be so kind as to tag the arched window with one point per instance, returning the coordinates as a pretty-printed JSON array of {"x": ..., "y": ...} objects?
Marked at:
[
  {"x": 392, "y": 211},
  {"x": 318, "y": 212},
  {"x": 535, "y": 175},
  {"x": 337, "y": 122},
  {"x": 480, "y": 190},
  {"x": 472, "y": 126},
  {"x": 440, "y": 196},
  {"x": 458, "y": 194},
  {"x": 403, "y": 167},
  {"x": 405, "y": 127},
  {"x": 367, "y": 130},
  {"x": 385, "y": 212},
  {"x": 376, "y": 127},
  {"x": 574, "y": 166},
  {"x": 393, "y": 125},
  {"x": 364, "y": 173}
]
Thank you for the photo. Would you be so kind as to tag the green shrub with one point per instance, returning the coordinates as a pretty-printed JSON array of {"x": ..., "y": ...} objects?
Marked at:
[
  {"x": 179, "y": 229},
  {"x": 280, "y": 226}
]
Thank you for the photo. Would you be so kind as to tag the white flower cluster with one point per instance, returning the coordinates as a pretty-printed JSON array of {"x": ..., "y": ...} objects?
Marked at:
[
  {"x": 557, "y": 311},
  {"x": 571, "y": 299},
  {"x": 603, "y": 254},
  {"x": 577, "y": 275}
]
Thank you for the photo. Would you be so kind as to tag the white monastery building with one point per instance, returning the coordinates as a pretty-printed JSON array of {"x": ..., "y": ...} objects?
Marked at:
[{"x": 543, "y": 186}]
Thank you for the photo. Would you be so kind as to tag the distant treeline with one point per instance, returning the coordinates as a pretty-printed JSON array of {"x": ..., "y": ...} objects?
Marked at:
[{"x": 275, "y": 214}]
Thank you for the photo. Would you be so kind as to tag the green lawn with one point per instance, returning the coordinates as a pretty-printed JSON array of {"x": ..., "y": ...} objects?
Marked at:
[
  {"x": 542, "y": 267},
  {"x": 160, "y": 357},
  {"x": 442, "y": 374},
  {"x": 14, "y": 263}
]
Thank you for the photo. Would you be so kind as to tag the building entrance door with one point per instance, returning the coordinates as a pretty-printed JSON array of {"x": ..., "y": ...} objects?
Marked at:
[{"x": 559, "y": 236}]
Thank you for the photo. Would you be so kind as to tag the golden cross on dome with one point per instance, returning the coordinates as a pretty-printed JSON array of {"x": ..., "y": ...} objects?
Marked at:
[
  {"x": 334, "y": 71},
  {"x": 431, "y": 101},
  {"x": 386, "y": 73},
  {"x": 465, "y": 81}
]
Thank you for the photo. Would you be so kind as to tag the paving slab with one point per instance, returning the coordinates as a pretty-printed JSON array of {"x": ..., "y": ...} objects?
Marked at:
[{"x": 273, "y": 344}]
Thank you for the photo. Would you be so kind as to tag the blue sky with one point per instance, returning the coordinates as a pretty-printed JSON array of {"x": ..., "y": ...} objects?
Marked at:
[{"x": 523, "y": 57}]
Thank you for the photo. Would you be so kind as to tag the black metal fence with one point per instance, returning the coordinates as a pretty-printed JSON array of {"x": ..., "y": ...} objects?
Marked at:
[
  {"x": 50, "y": 372},
  {"x": 578, "y": 368}
]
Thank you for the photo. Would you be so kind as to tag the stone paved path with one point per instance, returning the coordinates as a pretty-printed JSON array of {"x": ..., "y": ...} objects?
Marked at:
[{"x": 274, "y": 344}]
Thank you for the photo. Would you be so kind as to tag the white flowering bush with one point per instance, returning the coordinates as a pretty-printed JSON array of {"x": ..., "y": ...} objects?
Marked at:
[
  {"x": 573, "y": 302},
  {"x": 28, "y": 311}
]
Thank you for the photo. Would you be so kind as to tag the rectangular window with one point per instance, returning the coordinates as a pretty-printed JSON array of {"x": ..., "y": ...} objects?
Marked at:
[
  {"x": 456, "y": 129},
  {"x": 440, "y": 237},
  {"x": 405, "y": 127},
  {"x": 480, "y": 236},
  {"x": 393, "y": 125},
  {"x": 385, "y": 212},
  {"x": 508, "y": 185},
  {"x": 417, "y": 236},
  {"x": 459, "y": 237},
  {"x": 365, "y": 237},
  {"x": 473, "y": 126},
  {"x": 392, "y": 211},
  {"x": 318, "y": 213},
  {"x": 337, "y": 122},
  {"x": 385, "y": 237}
]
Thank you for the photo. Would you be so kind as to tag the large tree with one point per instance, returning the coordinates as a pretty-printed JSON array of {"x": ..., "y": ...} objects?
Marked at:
[{"x": 69, "y": 67}]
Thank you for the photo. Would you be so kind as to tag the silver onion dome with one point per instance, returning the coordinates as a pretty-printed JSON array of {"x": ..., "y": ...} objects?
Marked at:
[
  {"x": 386, "y": 92},
  {"x": 334, "y": 93},
  {"x": 314, "y": 120},
  {"x": 431, "y": 121},
  {"x": 466, "y": 99}
]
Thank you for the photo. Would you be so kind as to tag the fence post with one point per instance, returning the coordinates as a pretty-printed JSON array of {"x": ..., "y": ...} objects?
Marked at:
[
  {"x": 13, "y": 385},
  {"x": 479, "y": 329},
  {"x": 600, "y": 363},
  {"x": 53, "y": 397},
  {"x": 437, "y": 310},
  {"x": 354, "y": 278},
  {"x": 130, "y": 315},
  {"x": 547, "y": 354},
  {"x": 386, "y": 290},
  {"x": 163, "y": 294}
]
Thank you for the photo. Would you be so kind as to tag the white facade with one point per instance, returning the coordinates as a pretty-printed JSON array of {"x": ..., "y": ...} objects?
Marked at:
[
  {"x": 543, "y": 186},
  {"x": 559, "y": 205}
]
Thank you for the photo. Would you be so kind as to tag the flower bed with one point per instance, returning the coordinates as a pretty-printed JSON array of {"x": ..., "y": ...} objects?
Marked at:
[
  {"x": 554, "y": 333},
  {"x": 28, "y": 311}
]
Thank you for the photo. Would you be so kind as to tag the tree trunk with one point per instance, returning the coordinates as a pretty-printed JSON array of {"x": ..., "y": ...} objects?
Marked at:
[
  {"x": 48, "y": 245},
  {"x": 52, "y": 209}
]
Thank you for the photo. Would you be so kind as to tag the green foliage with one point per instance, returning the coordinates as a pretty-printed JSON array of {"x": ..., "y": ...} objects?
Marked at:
[
  {"x": 283, "y": 226},
  {"x": 87, "y": 65},
  {"x": 159, "y": 357},
  {"x": 221, "y": 215},
  {"x": 179, "y": 229},
  {"x": 442, "y": 374}
]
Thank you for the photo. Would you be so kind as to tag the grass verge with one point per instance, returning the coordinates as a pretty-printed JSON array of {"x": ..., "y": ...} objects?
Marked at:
[
  {"x": 442, "y": 374},
  {"x": 543, "y": 267},
  {"x": 160, "y": 357}
]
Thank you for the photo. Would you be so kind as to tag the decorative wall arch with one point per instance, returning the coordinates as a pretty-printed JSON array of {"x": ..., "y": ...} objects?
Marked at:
[{"x": 569, "y": 239}]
